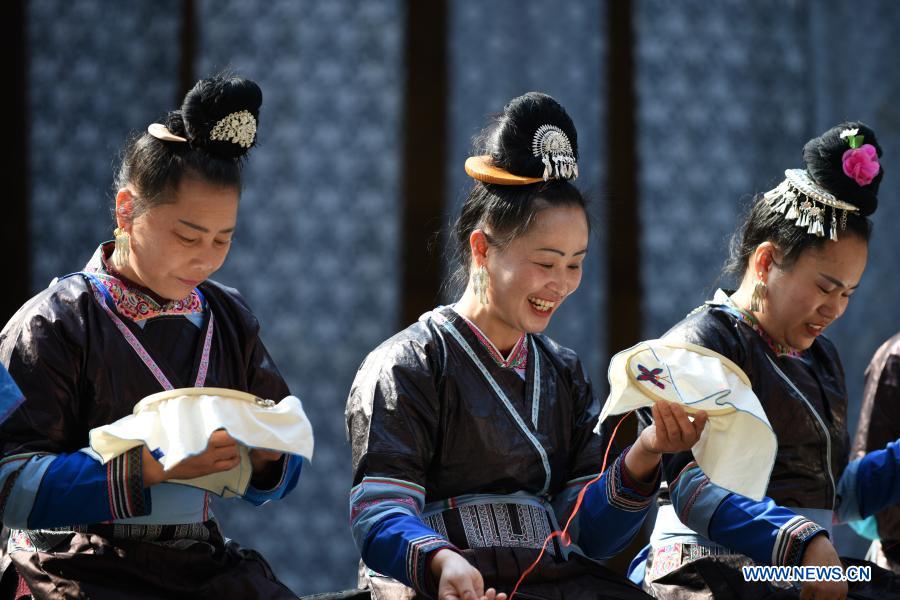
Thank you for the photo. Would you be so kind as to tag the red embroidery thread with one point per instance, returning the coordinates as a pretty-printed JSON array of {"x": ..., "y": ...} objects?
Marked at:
[{"x": 564, "y": 534}]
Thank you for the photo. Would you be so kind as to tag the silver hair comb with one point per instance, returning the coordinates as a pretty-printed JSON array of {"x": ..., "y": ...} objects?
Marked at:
[{"x": 552, "y": 146}]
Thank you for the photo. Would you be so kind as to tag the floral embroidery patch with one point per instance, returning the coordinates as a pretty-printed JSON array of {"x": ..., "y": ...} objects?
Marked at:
[{"x": 665, "y": 560}]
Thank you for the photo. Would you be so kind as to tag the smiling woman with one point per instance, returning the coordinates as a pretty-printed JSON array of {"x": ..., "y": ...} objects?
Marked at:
[
  {"x": 529, "y": 276},
  {"x": 141, "y": 317},
  {"x": 472, "y": 433}
]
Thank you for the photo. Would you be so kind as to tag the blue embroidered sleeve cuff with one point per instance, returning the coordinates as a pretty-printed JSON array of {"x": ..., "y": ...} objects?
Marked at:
[
  {"x": 644, "y": 488},
  {"x": 421, "y": 551},
  {"x": 612, "y": 512},
  {"x": 400, "y": 546},
  {"x": 623, "y": 492},
  {"x": 76, "y": 489},
  {"x": 127, "y": 495},
  {"x": 764, "y": 531},
  {"x": 385, "y": 517},
  {"x": 792, "y": 539},
  {"x": 376, "y": 497},
  {"x": 291, "y": 465}
]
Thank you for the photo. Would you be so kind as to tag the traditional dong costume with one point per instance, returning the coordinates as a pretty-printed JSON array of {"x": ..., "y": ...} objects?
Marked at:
[
  {"x": 457, "y": 447},
  {"x": 704, "y": 533},
  {"x": 84, "y": 352}
]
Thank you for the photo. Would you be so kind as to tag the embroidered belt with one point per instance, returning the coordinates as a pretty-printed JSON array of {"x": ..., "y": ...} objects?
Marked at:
[
  {"x": 662, "y": 560},
  {"x": 503, "y": 524},
  {"x": 44, "y": 540}
]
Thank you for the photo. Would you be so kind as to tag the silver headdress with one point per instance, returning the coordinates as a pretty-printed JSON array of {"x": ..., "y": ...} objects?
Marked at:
[
  {"x": 238, "y": 128},
  {"x": 552, "y": 146},
  {"x": 800, "y": 199}
]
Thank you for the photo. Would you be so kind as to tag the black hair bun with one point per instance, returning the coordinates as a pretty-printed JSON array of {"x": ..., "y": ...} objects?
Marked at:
[
  {"x": 209, "y": 102},
  {"x": 824, "y": 157},
  {"x": 510, "y": 143}
]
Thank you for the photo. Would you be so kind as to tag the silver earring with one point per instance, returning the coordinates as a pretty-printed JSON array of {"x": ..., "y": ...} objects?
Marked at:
[
  {"x": 480, "y": 283},
  {"x": 122, "y": 251},
  {"x": 759, "y": 294}
]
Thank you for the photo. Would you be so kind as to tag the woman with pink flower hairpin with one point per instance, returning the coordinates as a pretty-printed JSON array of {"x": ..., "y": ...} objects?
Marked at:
[{"x": 799, "y": 255}]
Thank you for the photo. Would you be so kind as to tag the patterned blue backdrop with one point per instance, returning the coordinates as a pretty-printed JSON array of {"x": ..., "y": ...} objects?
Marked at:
[
  {"x": 97, "y": 71},
  {"x": 727, "y": 93}
]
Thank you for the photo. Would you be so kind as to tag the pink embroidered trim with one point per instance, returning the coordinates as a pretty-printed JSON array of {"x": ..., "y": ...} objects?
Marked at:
[
  {"x": 203, "y": 367},
  {"x": 138, "y": 306},
  {"x": 359, "y": 507},
  {"x": 518, "y": 357}
]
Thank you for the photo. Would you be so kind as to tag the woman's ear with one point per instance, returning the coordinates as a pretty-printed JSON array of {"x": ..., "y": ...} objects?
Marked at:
[
  {"x": 478, "y": 244},
  {"x": 766, "y": 256},
  {"x": 124, "y": 209}
]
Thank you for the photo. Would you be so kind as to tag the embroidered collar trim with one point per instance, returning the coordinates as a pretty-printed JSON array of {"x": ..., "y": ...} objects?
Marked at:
[
  {"x": 518, "y": 356},
  {"x": 747, "y": 318},
  {"x": 137, "y": 304}
]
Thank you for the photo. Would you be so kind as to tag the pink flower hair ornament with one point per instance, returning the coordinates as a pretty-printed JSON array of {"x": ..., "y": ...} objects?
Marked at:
[{"x": 860, "y": 162}]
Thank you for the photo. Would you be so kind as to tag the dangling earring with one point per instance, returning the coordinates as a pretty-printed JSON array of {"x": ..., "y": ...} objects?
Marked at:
[
  {"x": 480, "y": 283},
  {"x": 122, "y": 251},
  {"x": 759, "y": 294}
]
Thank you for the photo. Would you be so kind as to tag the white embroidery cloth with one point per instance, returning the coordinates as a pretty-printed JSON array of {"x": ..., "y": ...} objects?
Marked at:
[
  {"x": 738, "y": 446},
  {"x": 178, "y": 423}
]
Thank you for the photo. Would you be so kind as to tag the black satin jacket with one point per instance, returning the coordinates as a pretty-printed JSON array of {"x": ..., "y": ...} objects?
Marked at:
[
  {"x": 804, "y": 398},
  {"x": 77, "y": 371},
  {"x": 421, "y": 411}
]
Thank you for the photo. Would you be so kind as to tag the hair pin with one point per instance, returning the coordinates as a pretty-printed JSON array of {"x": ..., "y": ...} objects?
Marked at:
[{"x": 161, "y": 132}]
